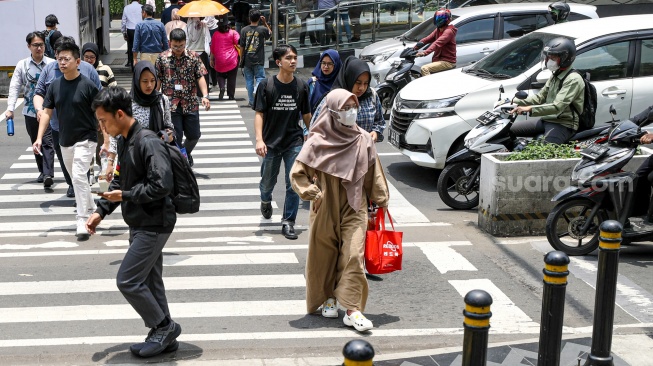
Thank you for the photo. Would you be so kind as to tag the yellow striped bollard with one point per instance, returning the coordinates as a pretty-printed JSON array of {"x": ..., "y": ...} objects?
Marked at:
[
  {"x": 553, "y": 308},
  {"x": 606, "y": 293},
  {"x": 477, "y": 326},
  {"x": 358, "y": 352}
]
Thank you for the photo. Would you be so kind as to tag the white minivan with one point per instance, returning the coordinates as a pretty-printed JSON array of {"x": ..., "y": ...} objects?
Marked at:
[{"x": 432, "y": 115}]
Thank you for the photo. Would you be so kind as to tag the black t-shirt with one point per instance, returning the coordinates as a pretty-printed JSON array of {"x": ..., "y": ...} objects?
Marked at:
[
  {"x": 281, "y": 114},
  {"x": 254, "y": 37},
  {"x": 73, "y": 99}
]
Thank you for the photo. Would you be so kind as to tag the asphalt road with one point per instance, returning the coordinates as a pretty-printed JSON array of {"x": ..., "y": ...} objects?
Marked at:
[{"x": 236, "y": 285}]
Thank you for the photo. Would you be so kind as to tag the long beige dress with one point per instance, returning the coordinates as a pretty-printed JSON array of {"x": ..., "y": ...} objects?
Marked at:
[{"x": 336, "y": 244}]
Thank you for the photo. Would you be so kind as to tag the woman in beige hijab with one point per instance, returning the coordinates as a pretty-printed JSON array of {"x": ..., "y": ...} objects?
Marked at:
[
  {"x": 174, "y": 23},
  {"x": 338, "y": 170}
]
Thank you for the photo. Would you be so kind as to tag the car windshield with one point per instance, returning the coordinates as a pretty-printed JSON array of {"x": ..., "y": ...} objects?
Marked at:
[
  {"x": 422, "y": 30},
  {"x": 513, "y": 59}
]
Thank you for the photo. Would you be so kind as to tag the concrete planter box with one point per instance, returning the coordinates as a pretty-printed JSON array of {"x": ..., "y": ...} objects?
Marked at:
[{"x": 515, "y": 196}]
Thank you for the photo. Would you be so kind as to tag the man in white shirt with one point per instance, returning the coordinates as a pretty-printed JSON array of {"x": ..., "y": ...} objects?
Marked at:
[
  {"x": 24, "y": 80},
  {"x": 132, "y": 14}
]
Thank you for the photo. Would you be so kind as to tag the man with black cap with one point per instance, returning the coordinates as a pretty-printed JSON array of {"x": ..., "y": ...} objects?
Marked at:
[{"x": 51, "y": 34}]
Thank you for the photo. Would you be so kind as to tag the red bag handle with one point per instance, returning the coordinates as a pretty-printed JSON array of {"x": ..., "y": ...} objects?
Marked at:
[{"x": 380, "y": 212}]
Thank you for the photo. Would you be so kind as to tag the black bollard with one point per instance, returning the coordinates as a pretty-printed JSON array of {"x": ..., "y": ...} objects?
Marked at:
[
  {"x": 358, "y": 352},
  {"x": 553, "y": 308},
  {"x": 477, "y": 326},
  {"x": 606, "y": 292}
]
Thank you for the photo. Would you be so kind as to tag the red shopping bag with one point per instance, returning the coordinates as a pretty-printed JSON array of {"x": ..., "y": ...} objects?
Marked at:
[{"x": 383, "y": 250}]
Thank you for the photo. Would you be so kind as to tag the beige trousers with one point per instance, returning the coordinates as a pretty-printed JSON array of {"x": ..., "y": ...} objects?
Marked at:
[
  {"x": 437, "y": 66},
  {"x": 149, "y": 57}
]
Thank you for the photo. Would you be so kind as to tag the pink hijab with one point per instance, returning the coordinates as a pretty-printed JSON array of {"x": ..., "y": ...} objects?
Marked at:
[{"x": 342, "y": 151}]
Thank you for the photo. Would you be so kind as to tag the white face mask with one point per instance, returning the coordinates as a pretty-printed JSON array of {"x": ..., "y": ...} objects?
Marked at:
[
  {"x": 347, "y": 118},
  {"x": 552, "y": 65}
]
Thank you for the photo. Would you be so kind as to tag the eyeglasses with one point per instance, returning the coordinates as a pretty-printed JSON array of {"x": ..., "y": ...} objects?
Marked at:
[
  {"x": 327, "y": 64},
  {"x": 64, "y": 60},
  {"x": 90, "y": 57},
  {"x": 38, "y": 45},
  {"x": 178, "y": 48}
]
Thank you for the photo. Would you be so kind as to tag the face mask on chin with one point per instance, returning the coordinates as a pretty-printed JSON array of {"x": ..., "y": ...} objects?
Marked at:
[{"x": 552, "y": 66}]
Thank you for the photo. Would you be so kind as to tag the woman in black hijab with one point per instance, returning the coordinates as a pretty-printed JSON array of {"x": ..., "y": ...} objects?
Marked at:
[
  {"x": 150, "y": 108},
  {"x": 355, "y": 77}
]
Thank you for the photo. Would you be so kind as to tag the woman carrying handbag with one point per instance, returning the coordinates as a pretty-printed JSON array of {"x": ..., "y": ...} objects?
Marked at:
[
  {"x": 224, "y": 57},
  {"x": 337, "y": 169}
]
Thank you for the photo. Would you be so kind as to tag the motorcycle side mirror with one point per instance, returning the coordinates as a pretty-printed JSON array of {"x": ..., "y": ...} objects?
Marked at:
[
  {"x": 521, "y": 95},
  {"x": 501, "y": 90}
]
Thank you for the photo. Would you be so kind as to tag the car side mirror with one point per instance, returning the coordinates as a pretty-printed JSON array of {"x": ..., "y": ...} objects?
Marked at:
[{"x": 543, "y": 76}]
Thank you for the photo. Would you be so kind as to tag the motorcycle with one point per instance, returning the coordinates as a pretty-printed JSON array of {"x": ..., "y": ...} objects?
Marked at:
[
  {"x": 600, "y": 191},
  {"x": 458, "y": 184},
  {"x": 398, "y": 77}
]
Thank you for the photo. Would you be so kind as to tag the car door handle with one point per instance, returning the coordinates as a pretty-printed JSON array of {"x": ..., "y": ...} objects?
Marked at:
[
  {"x": 486, "y": 51},
  {"x": 608, "y": 93}
]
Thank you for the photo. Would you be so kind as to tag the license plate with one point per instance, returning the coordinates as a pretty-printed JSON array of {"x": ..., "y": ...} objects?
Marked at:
[
  {"x": 594, "y": 152},
  {"x": 394, "y": 137},
  {"x": 487, "y": 118}
]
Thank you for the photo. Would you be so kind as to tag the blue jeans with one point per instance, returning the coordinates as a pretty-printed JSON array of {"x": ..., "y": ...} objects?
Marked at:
[
  {"x": 270, "y": 171},
  {"x": 345, "y": 22},
  {"x": 251, "y": 73}
]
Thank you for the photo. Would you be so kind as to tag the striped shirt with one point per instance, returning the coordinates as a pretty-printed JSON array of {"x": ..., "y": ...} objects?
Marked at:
[{"x": 106, "y": 75}]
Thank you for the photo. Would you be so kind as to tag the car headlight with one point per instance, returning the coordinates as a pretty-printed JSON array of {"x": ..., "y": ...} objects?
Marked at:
[
  {"x": 439, "y": 107},
  {"x": 382, "y": 57}
]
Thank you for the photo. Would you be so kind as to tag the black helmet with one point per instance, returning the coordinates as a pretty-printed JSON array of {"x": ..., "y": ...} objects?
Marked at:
[
  {"x": 563, "y": 48},
  {"x": 559, "y": 11}
]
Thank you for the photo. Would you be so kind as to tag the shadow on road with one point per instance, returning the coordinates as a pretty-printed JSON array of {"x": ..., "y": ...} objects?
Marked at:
[{"x": 414, "y": 176}]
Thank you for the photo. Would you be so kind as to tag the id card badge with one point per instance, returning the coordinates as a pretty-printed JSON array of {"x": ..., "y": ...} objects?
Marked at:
[{"x": 178, "y": 87}]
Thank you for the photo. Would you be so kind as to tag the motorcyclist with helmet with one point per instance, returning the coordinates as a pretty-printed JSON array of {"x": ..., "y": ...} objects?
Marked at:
[
  {"x": 553, "y": 103},
  {"x": 443, "y": 44},
  {"x": 559, "y": 12}
]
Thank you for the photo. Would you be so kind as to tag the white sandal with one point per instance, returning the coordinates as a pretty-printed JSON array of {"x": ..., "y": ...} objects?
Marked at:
[
  {"x": 358, "y": 321},
  {"x": 329, "y": 308}
]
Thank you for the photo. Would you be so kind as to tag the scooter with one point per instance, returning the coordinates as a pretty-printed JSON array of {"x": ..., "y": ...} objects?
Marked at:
[
  {"x": 600, "y": 191},
  {"x": 458, "y": 184},
  {"x": 399, "y": 76}
]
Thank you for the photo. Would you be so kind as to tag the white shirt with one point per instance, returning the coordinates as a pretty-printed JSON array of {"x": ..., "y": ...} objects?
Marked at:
[
  {"x": 132, "y": 14},
  {"x": 151, "y": 2}
]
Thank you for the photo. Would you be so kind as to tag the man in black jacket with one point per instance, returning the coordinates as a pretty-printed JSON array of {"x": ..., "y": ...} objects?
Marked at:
[{"x": 143, "y": 190}]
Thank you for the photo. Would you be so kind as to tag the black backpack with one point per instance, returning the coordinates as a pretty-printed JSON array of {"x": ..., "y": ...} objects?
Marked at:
[
  {"x": 49, "y": 50},
  {"x": 185, "y": 193},
  {"x": 586, "y": 119}
]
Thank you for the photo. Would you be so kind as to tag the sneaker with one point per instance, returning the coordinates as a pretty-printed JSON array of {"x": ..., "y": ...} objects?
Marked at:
[
  {"x": 47, "y": 181},
  {"x": 82, "y": 234},
  {"x": 288, "y": 231},
  {"x": 40, "y": 178},
  {"x": 160, "y": 339},
  {"x": 329, "y": 308},
  {"x": 136, "y": 348},
  {"x": 358, "y": 321},
  {"x": 190, "y": 160},
  {"x": 266, "y": 209},
  {"x": 221, "y": 96},
  {"x": 70, "y": 193}
]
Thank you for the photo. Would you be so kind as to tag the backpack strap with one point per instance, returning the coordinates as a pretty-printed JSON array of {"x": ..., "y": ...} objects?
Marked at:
[
  {"x": 571, "y": 105},
  {"x": 269, "y": 90}
]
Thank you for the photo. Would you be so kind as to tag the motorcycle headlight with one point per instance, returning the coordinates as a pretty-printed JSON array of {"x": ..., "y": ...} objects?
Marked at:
[
  {"x": 472, "y": 141},
  {"x": 580, "y": 176},
  {"x": 382, "y": 57},
  {"x": 439, "y": 107}
]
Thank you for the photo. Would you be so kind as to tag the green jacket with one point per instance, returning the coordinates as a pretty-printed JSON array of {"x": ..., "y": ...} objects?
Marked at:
[{"x": 553, "y": 105}]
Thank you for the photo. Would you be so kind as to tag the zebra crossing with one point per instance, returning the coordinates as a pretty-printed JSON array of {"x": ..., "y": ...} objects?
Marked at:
[{"x": 230, "y": 276}]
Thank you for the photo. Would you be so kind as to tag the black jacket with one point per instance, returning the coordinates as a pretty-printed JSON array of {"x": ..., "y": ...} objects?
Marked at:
[
  {"x": 645, "y": 115},
  {"x": 146, "y": 181}
]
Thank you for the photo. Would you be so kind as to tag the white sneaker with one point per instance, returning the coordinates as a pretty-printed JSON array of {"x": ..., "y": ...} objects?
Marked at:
[
  {"x": 82, "y": 233},
  {"x": 329, "y": 309},
  {"x": 358, "y": 321}
]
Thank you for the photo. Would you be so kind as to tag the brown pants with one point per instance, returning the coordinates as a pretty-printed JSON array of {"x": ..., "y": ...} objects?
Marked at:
[
  {"x": 149, "y": 57},
  {"x": 437, "y": 66}
]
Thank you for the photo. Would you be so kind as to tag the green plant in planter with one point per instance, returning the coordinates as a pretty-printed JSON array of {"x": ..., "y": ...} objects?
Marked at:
[{"x": 540, "y": 150}]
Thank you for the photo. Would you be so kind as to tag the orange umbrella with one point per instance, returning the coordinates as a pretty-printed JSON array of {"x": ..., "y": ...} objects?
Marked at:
[{"x": 202, "y": 8}]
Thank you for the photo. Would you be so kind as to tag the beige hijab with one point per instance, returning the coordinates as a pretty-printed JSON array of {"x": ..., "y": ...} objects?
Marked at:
[{"x": 342, "y": 151}]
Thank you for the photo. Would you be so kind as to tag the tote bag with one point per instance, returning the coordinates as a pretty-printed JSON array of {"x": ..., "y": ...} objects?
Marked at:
[{"x": 383, "y": 249}]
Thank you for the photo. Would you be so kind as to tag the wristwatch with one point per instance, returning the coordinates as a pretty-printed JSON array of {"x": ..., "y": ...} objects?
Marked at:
[{"x": 206, "y": 96}]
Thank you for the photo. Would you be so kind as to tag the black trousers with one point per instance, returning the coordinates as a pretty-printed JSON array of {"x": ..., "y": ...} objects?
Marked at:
[
  {"x": 44, "y": 163},
  {"x": 130, "y": 46},
  {"x": 554, "y": 133},
  {"x": 230, "y": 77},
  {"x": 57, "y": 149},
  {"x": 302, "y": 35},
  {"x": 205, "y": 60},
  {"x": 140, "y": 276}
]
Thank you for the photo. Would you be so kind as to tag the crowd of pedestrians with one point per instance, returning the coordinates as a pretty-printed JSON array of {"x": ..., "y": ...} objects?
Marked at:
[{"x": 322, "y": 129}]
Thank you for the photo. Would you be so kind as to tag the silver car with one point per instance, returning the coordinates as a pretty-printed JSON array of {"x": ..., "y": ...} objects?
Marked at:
[{"x": 481, "y": 30}]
